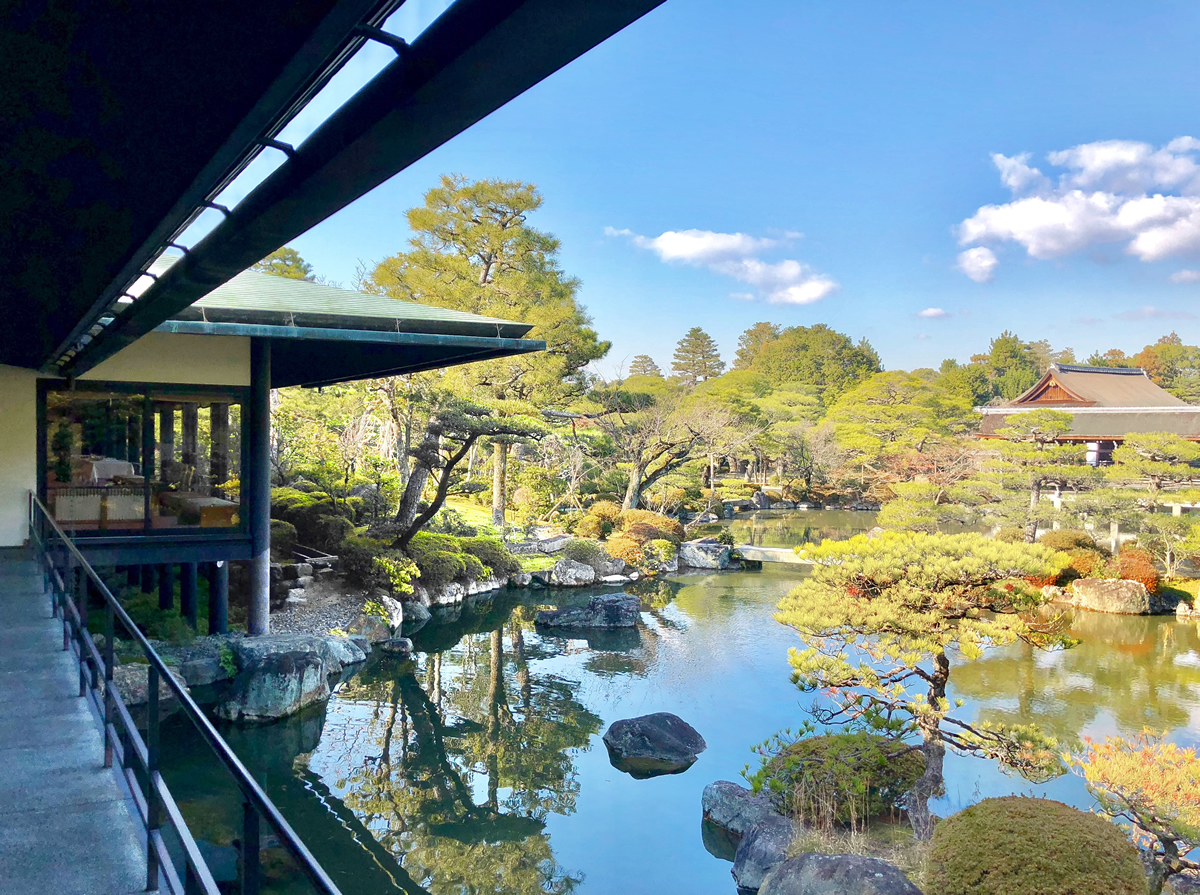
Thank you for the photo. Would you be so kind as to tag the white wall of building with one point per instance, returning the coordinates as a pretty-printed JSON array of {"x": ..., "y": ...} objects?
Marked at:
[
  {"x": 18, "y": 451},
  {"x": 156, "y": 357},
  {"x": 179, "y": 358}
]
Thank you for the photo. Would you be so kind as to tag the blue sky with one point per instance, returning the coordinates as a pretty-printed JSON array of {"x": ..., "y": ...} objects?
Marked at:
[{"x": 853, "y": 140}]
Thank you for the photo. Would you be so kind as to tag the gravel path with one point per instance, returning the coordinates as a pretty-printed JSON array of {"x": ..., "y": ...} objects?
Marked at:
[{"x": 328, "y": 604}]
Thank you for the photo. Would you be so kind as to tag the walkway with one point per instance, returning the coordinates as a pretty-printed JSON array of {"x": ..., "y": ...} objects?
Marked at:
[{"x": 65, "y": 827}]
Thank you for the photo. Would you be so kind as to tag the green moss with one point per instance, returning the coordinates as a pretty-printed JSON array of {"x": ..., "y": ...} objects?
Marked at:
[
  {"x": 1032, "y": 846},
  {"x": 493, "y": 554}
]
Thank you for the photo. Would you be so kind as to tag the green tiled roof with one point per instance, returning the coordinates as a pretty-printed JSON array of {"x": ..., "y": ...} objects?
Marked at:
[{"x": 253, "y": 297}]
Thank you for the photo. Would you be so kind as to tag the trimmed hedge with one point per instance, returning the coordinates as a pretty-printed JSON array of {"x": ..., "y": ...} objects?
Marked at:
[
  {"x": 1138, "y": 565},
  {"x": 493, "y": 554},
  {"x": 1068, "y": 539},
  {"x": 587, "y": 552},
  {"x": 1034, "y": 847}
]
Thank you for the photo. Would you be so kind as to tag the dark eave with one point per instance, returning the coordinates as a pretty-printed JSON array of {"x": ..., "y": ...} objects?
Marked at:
[
  {"x": 122, "y": 121},
  {"x": 313, "y": 356},
  {"x": 476, "y": 57}
]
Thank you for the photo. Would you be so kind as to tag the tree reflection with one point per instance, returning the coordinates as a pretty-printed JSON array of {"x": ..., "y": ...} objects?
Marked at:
[
  {"x": 462, "y": 761},
  {"x": 1141, "y": 671}
]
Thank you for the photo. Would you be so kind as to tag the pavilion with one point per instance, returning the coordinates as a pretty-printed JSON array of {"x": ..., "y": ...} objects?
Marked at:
[{"x": 1106, "y": 404}]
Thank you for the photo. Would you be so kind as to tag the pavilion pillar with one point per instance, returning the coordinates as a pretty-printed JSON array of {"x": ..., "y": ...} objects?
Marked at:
[
  {"x": 166, "y": 586},
  {"x": 189, "y": 453},
  {"x": 133, "y": 575},
  {"x": 148, "y": 579},
  {"x": 218, "y": 597},
  {"x": 166, "y": 438},
  {"x": 187, "y": 592},
  {"x": 218, "y": 461},
  {"x": 256, "y": 484}
]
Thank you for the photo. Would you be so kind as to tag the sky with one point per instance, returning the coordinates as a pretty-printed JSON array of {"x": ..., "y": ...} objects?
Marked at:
[{"x": 920, "y": 175}]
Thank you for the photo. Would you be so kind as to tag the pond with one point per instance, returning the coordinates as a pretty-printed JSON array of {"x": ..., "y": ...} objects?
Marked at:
[{"x": 478, "y": 765}]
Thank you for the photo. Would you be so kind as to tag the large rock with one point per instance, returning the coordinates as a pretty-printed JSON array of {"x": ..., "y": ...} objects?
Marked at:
[
  {"x": 1121, "y": 597},
  {"x": 761, "y": 500},
  {"x": 604, "y": 568},
  {"x": 204, "y": 661},
  {"x": 554, "y": 544},
  {"x": 813, "y": 874},
  {"x": 704, "y": 553},
  {"x": 762, "y": 849},
  {"x": 651, "y": 745},
  {"x": 416, "y": 616},
  {"x": 279, "y": 674},
  {"x": 734, "y": 808},
  {"x": 132, "y": 682},
  {"x": 520, "y": 579},
  {"x": 569, "y": 573},
  {"x": 1186, "y": 611},
  {"x": 604, "y": 611}
]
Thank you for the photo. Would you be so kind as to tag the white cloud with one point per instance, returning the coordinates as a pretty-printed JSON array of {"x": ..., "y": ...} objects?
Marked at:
[
  {"x": 933, "y": 313},
  {"x": 1110, "y": 191},
  {"x": 735, "y": 255},
  {"x": 1185, "y": 276},
  {"x": 978, "y": 263}
]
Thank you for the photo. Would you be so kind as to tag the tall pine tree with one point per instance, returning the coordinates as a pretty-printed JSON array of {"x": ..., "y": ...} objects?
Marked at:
[
  {"x": 696, "y": 357},
  {"x": 644, "y": 365}
]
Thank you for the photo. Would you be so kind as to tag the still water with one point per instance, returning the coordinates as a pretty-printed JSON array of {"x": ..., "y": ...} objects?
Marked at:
[{"x": 478, "y": 765}]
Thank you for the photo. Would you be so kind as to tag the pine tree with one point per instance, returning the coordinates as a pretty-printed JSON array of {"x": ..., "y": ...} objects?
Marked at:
[
  {"x": 696, "y": 357},
  {"x": 644, "y": 365},
  {"x": 285, "y": 262},
  {"x": 752, "y": 341}
]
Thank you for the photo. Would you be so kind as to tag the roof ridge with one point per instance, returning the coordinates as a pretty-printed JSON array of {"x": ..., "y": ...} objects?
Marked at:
[{"x": 1084, "y": 368}]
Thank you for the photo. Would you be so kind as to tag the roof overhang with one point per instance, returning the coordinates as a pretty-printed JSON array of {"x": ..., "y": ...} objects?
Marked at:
[
  {"x": 476, "y": 57},
  {"x": 315, "y": 356}
]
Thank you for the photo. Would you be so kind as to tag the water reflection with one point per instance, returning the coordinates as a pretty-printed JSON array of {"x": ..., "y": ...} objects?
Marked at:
[{"x": 1128, "y": 672}]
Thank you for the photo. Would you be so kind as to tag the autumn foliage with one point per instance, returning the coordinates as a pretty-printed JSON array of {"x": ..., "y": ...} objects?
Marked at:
[{"x": 1152, "y": 784}]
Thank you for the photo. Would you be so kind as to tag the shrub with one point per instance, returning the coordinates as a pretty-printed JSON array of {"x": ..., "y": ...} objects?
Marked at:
[
  {"x": 1085, "y": 564},
  {"x": 1138, "y": 565},
  {"x": 837, "y": 779},
  {"x": 605, "y": 511},
  {"x": 312, "y": 514},
  {"x": 356, "y": 562},
  {"x": 670, "y": 529},
  {"x": 593, "y": 527},
  {"x": 1018, "y": 844},
  {"x": 438, "y": 558},
  {"x": 1066, "y": 539},
  {"x": 473, "y": 569},
  {"x": 283, "y": 538},
  {"x": 493, "y": 554},
  {"x": 329, "y": 532},
  {"x": 658, "y": 552},
  {"x": 587, "y": 552},
  {"x": 725, "y": 537},
  {"x": 1010, "y": 535},
  {"x": 625, "y": 548}
]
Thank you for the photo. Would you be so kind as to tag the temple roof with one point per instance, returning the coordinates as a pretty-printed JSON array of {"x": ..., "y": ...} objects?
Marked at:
[{"x": 1071, "y": 385}]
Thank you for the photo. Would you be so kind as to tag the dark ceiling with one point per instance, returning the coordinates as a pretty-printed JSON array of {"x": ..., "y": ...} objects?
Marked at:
[
  {"x": 119, "y": 120},
  {"x": 109, "y": 112}
]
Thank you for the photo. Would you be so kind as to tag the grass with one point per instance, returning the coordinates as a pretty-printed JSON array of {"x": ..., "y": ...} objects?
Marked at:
[
  {"x": 536, "y": 562},
  {"x": 1183, "y": 588},
  {"x": 473, "y": 514},
  {"x": 893, "y": 843}
]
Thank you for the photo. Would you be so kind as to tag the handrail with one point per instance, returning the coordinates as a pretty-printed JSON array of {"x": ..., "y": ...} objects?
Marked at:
[{"x": 156, "y": 798}]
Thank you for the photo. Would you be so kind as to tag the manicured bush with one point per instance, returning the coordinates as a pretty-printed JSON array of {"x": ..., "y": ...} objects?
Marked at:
[
  {"x": 1085, "y": 563},
  {"x": 605, "y": 511},
  {"x": 625, "y": 548},
  {"x": 438, "y": 558},
  {"x": 1010, "y": 535},
  {"x": 725, "y": 537},
  {"x": 283, "y": 539},
  {"x": 670, "y": 529},
  {"x": 493, "y": 554},
  {"x": 328, "y": 532},
  {"x": 587, "y": 552},
  {"x": 593, "y": 527},
  {"x": 312, "y": 514},
  {"x": 1138, "y": 565},
  {"x": 838, "y": 779},
  {"x": 356, "y": 561},
  {"x": 1066, "y": 539},
  {"x": 1032, "y": 846}
]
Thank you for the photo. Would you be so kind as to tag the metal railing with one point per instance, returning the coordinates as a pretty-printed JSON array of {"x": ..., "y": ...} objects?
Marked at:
[{"x": 72, "y": 582}]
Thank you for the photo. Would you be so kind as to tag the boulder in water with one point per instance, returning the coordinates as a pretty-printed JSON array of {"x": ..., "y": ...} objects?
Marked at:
[
  {"x": 734, "y": 808},
  {"x": 762, "y": 849},
  {"x": 604, "y": 611},
  {"x": 651, "y": 745},
  {"x": 814, "y": 874}
]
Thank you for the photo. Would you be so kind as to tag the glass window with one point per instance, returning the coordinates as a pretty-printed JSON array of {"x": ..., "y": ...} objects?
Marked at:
[{"x": 143, "y": 460}]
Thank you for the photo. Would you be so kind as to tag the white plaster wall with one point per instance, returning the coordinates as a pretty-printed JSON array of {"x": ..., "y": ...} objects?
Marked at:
[
  {"x": 18, "y": 451},
  {"x": 179, "y": 358}
]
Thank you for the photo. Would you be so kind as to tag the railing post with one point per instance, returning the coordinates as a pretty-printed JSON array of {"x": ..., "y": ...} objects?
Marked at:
[
  {"x": 153, "y": 803},
  {"x": 250, "y": 843},
  {"x": 110, "y": 627},
  {"x": 80, "y": 609}
]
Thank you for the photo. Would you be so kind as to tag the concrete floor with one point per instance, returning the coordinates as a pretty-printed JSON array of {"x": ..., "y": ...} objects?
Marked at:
[{"x": 65, "y": 826}]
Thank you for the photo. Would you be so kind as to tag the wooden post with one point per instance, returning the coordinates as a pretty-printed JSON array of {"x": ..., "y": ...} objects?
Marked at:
[
  {"x": 218, "y": 597},
  {"x": 166, "y": 586},
  {"x": 187, "y": 592},
  {"x": 189, "y": 453}
]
